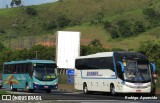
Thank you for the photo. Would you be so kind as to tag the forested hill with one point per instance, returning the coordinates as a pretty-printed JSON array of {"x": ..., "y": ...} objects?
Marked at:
[{"x": 116, "y": 23}]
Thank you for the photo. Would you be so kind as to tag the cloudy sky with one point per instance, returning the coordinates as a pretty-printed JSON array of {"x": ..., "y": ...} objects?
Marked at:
[{"x": 3, "y": 3}]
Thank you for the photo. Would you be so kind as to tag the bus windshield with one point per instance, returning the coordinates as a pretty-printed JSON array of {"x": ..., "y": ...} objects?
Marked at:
[
  {"x": 44, "y": 72},
  {"x": 137, "y": 72}
]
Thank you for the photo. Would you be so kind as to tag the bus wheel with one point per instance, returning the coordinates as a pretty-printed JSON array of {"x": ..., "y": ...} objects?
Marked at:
[
  {"x": 85, "y": 89},
  {"x": 28, "y": 90},
  {"x": 48, "y": 90},
  {"x": 112, "y": 89}
]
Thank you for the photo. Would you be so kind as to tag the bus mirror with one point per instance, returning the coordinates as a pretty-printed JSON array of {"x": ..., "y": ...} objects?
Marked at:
[
  {"x": 57, "y": 66},
  {"x": 122, "y": 66},
  {"x": 153, "y": 67}
]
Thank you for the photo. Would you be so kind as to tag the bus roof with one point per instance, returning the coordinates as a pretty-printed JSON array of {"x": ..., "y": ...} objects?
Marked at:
[
  {"x": 114, "y": 53},
  {"x": 101, "y": 54},
  {"x": 29, "y": 61}
]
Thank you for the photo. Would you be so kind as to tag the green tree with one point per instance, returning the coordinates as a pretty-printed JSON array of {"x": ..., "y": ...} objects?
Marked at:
[
  {"x": 30, "y": 11},
  {"x": 150, "y": 13},
  {"x": 43, "y": 52},
  {"x": 98, "y": 18},
  {"x": 96, "y": 43},
  {"x": 49, "y": 25},
  {"x": 114, "y": 33},
  {"x": 138, "y": 27},
  {"x": 15, "y": 3},
  {"x": 152, "y": 50},
  {"x": 94, "y": 46},
  {"x": 62, "y": 21},
  {"x": 124, "y": 28},
  {"x": 107, "y": 25},
  {"x": 1, "y": 47}
]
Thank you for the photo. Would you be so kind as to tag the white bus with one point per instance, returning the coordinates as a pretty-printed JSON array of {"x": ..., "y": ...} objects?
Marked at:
[{"x": 114, "y": 72}]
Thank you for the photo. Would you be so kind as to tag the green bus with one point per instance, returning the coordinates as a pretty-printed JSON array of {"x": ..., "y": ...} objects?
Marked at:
[{"x": 30, "y": 75}]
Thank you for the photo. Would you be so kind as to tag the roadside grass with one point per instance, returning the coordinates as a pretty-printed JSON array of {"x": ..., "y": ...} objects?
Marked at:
[
  {"x": 62, "y": 78},
  {"x": 4, "y": 92},
  {"x": 158, "y": 83}
]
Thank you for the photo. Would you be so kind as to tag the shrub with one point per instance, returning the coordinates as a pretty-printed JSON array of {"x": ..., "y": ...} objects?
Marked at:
[
  {"x": 62, "y": 21},
  {"x": 138, "y": 27},
  {"x": 152, "y": 51},
  {"x": 49, "y": 25},
  {"x": 124, "y": 28},
  {"x": 107, "y": 25},
  {"x": 98, "y": 18},
  {"x": 96, "y": 43},
  {"x": 1, "y": 47},
  {"x": 149, "y": 12},
  {"x": 30, "y": 11},
  {"x": 114, "y": 33},
  {"x": 2, "y": 31},
  {"x": 74, "y": 22},
  {"x": 117, "y": 49}
]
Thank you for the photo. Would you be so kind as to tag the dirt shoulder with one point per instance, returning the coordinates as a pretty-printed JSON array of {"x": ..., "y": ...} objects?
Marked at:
[
  {"x": 66, "y": 87},
  {"x": 158, "y": 91}
]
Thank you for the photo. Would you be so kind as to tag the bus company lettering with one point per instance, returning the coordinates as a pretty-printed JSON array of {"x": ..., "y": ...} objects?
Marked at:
[
  {"x": 21, "y": 77},
  {"x": 95, "y": 73}
]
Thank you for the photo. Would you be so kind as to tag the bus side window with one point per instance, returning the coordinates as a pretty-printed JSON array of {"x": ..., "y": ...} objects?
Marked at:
[
  {"x": 9, "y": 69},
  {"x": 27, "y": 67},
  {"x": 24, "y": 68},
  {"x": 30, "y": 69},
  {"x": 20, "y": 68},
  {"x": 5, "y": 69},
  {"x": 17, "y": 68},
  {"x": 14, "y": 69}
]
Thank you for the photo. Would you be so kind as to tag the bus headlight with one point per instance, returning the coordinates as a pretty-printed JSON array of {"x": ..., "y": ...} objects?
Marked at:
[
  {"x": 55, "y": 83},
  {"x": 128, "y": 85}
]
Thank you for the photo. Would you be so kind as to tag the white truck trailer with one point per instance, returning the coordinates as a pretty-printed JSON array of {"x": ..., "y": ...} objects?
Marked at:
[{"x": 67, "y": 49}]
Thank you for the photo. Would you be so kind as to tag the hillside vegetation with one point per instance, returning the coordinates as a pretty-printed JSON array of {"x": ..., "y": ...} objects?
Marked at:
[{"x": 95, "y": 19}]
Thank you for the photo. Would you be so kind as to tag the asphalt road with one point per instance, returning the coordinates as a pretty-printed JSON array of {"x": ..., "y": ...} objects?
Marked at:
[{"x": 71, "y": 97}]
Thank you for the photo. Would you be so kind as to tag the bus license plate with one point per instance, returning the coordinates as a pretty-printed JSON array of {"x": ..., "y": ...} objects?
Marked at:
[
  {"x": 138, "y": 90},
  {"x": 45, "y": 86}
]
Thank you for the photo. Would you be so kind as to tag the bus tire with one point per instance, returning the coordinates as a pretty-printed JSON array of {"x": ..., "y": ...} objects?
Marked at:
[
  {"x": 28, "y": 90},
  {"x": 48, "y": 90},
  {"x": 112, "y": 90},
  {"x": 85, "y": 89}
]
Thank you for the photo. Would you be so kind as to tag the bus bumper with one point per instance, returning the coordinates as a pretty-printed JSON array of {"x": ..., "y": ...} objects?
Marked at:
[
  {"x": 45, "y": 87},
  {"x": 127, "y": 89}
]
